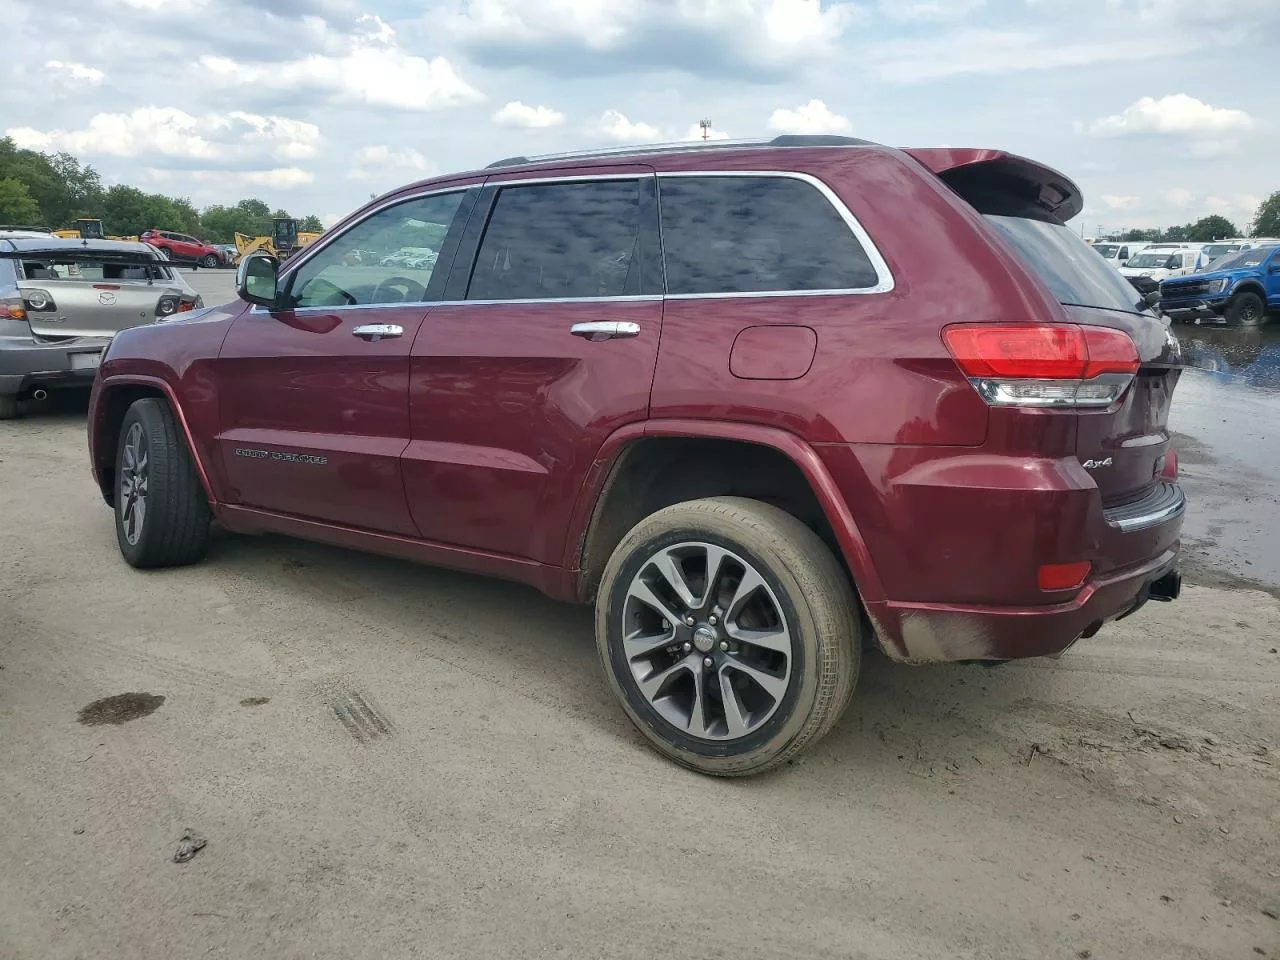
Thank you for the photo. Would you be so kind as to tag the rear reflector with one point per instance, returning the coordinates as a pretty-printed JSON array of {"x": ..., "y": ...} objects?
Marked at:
[
  {"x": 1169, "y": 470},
  {"x": 1063, "y": 576},
  {"x": 1039, "y": 351}
]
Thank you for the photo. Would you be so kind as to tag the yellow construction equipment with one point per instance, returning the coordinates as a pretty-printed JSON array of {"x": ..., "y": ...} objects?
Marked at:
[
  {"x": 284, "y": 241},
  {"x": 88, "y": 229}
]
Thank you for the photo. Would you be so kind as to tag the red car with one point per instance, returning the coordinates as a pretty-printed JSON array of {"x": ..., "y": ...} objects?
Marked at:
[
  {"x": 181, "y": 248},
  {"x": 762, "y": 404}
]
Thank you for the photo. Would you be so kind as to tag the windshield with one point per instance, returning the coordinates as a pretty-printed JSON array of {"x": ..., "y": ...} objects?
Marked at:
[
  {"x": 1245, "y": 260},
  {"x": 1069, "y": 267},
  {"x": 1150, "y": 260},
  {"x": 42, "y": 266},
  {"x": 1107, "y": 250},
  {"x": 1213, "y": 251}
]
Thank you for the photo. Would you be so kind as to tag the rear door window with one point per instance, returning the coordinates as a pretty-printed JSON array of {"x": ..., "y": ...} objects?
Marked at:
[
  {"x": 561, "y": 241},
  {"x": 756, "y": 234}
]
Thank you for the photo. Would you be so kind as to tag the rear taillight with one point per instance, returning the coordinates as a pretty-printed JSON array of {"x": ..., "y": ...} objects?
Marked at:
[
  {"x": 1043, "y": 365},
  {"x": 38, "y": 301},
  {"x": 12, "y": 308},
  {"x": 167, "y": 306}
]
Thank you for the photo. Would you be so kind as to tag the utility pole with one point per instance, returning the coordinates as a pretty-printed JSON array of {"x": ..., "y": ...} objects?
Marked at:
[{"x": 706, "y": 129}]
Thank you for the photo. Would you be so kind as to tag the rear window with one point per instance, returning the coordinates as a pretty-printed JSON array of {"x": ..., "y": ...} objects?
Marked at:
[
  {"x": 1072, "y": 270},
  {"x": 63, "y": 267},
  {"x": 745, "y": 234}
]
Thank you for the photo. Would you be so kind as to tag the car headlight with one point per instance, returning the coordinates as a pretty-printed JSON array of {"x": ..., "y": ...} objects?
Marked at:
[{"x": 1217, "y": 286}]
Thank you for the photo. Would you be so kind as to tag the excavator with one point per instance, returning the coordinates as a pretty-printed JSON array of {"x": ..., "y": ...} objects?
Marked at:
[
  {"x": 87, "y": 228},
  {"x": 284, "y": 241}
]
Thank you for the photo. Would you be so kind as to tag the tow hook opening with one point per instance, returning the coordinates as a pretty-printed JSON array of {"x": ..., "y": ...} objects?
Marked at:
[{"x": 1167, "y": 588}]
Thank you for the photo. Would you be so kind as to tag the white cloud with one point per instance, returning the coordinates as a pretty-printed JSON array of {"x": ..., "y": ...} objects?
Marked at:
[
  {"x": 811, "y": 117},
  {"x": 75, "y": 74},
  {"x": 617, "y": 127},
  {"x": 1176, "y": 114},
  {"x": 702, "y": 36},
  {"x": 368, "y": 67},
  {"x": 382, "y": 162},
  {"x": 170, "y": 132},
  {"x": 517, "y": 114},
  {"x": 1120, "y": 203},
  {"x": 930, "y": 10},
  {"x": 978, "y": 51},
  {"x": 279, "y": 178}
]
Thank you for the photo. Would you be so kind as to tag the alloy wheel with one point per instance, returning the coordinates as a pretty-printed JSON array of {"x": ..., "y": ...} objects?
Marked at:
[
  {"x": 707, "y": 641},
  {"x": 133, "y": 483}
]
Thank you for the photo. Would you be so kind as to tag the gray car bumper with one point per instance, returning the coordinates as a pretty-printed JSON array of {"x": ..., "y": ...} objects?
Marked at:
[{"x": 26, "y": 364}]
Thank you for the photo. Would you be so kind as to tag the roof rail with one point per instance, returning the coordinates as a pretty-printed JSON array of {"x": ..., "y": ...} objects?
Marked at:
[{"x": 785, "y": 140}]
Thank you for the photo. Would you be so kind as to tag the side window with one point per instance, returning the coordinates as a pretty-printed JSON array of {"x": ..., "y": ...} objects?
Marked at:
[
  {"x": 1123, "y": 254},
  {"x": 561, "y": 240},
  {"x": 386, "y": 258},
  {"x": 1175, "y": 262},
  {"x": 756, "y": 235}
]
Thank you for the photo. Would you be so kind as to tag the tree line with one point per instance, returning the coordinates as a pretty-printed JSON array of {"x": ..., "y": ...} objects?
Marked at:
[
  {"x": 55, "y": 189},
  {"x": 1266, "y": 223}
]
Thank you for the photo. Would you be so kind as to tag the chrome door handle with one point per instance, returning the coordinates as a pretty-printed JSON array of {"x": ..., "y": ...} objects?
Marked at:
[
  {"x": 378, "y": 331},
  {"x": 605, "y": 329}
]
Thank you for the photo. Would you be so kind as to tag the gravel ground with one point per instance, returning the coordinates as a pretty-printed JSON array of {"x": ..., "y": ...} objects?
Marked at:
[{"x": 393, "y": 761}]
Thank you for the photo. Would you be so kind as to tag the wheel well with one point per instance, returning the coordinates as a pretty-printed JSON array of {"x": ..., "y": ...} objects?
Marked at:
[
  {"x": 114, "y": 405},
  {"x": 1249, "y": 287},
  {"x": 656, "y": 472}
]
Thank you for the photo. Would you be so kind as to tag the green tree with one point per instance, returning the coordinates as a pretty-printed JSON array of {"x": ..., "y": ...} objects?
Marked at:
[
  {"x": 311, "y": 224},
  {"x": 1141, "y": 236},
  {"x": 1214, "y": 227},
  {"x": 1266, "y": 222},
  {"x": 1177, "y": 234},
  {"x": 16, "y": 203}
]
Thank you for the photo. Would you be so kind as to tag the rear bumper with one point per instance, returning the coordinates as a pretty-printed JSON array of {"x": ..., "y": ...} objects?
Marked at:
[
  {"x": 27, "y": 364},
  {"x": 938, "y": 632}
]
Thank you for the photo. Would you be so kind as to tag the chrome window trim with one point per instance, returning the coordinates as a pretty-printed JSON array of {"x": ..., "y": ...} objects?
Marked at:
[{"x": 884, "y": 277}]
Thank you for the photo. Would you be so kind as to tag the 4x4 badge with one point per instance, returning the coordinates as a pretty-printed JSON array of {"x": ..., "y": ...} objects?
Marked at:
[{"x": 1095, "y": 464}]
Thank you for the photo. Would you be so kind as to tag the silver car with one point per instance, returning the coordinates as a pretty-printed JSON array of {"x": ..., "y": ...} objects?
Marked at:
[{"x": 61, "y": 302}]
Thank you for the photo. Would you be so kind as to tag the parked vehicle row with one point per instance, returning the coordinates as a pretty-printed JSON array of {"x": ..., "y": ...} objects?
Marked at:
[
  {"x": 1243, "y": 287},
  {"x": 62, "y": 300},
  {"x": 761, "y": 405}
]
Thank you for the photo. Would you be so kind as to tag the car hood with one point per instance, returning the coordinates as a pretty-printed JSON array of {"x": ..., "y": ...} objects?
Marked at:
[{"x": 1230, "y": 275}]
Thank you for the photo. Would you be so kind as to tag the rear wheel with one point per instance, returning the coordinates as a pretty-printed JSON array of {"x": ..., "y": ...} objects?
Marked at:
[
  {"x": 729, "y": 634},
  {"x": 1246, "y": 309},
  {"x": 162, "y": 514},
  {"x": 210, "y": 260},
  {"x": 8, "y": 406}
]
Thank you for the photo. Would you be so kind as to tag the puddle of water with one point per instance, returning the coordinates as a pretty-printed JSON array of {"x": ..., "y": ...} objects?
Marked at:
[
  {"x": 254, "y": 701},
  {"x": 1226, "y": 417},
  {"x": 120, "y": 709}
]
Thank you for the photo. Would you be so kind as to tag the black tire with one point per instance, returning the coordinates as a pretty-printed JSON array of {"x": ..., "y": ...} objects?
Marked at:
[
  {"x": 8, "y": 406},
  {"x": 1246, "y": 309},
  {"x": 210, "y": 260},
  {"x": 173, "y": 529},
  {"x": 815, "y": 602}
]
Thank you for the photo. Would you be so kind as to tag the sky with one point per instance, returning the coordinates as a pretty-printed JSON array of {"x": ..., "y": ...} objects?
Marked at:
[{"x": 1163, "y": 111}]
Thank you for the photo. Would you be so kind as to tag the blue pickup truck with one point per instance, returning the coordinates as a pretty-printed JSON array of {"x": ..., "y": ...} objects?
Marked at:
[{"x": 1242, "y": 287}]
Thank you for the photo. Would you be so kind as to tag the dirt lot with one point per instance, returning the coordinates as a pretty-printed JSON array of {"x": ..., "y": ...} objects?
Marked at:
[{"x": 392, "y": 761}]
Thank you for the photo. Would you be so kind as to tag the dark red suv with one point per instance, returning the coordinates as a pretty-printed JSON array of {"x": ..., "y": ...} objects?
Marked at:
[
  {"x": 183, "y": 249},
  {"x": 763, "y": 404}
]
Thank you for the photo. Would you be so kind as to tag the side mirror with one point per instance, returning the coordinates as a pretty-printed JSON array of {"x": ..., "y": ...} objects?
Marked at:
[
  {"x": 256, "y": 279},
  {"x": 1151, "y": 297}
]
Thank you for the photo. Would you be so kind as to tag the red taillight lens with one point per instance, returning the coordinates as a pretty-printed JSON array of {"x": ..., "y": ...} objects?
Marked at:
[
  {"x": 1170, "y": 469},
  {"x": 1039, "y": 351},
  {"x": 1063, "y": 576}
]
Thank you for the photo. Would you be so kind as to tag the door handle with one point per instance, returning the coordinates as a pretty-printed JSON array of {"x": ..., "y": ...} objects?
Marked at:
[
  {"x": 605, "y": 330},
  {"x": 374, "y": 332}
]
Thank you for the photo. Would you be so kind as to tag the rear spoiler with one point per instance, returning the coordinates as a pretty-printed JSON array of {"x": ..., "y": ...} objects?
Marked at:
[{"x": 968, "y": 170}]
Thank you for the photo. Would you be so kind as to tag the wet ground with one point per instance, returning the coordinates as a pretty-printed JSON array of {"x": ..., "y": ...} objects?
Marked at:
[{"x": 1226, "y": 419}]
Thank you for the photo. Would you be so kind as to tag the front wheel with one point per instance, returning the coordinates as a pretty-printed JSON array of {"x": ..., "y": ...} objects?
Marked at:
[
  {"x": 729, "y": 634},
  {"x": 1246, "y": 309},
  {"x": 209, "y": 260},
  {"x": 162, "y": 513}
]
